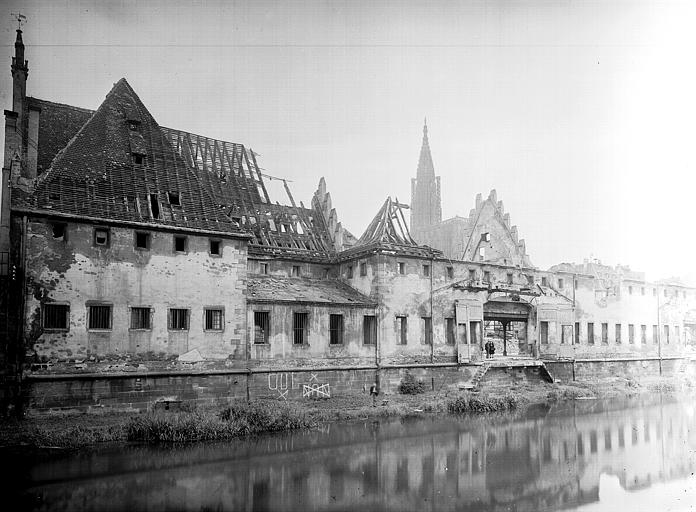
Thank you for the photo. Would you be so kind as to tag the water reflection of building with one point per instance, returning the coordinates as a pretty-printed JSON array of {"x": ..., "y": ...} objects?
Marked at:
[{"x": 433, "y": 464}]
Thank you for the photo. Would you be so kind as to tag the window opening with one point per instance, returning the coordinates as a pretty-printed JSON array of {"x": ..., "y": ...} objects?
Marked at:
[
  {"x": 369, "y": 330},
  {"x": 300, "y": 322},
  {"x": 174, "y": 198},
  {"x": 56, "y": 316},
  {"x": 142, "y": 240},
  {"x": 213, "y": 319},
  {"x": 336, "y": 329},
  {"x": 99, "y": 317},
  {"x": 154, "y": 206},
  {"x": 178, "y": 319},
  {"x": 180, "y": 244},
  {"x": 140, "y": 318},
  {"x": 262, "y": 324},
  {"x": 215, "y": 247},
  {"x": 402, "y": 330}
]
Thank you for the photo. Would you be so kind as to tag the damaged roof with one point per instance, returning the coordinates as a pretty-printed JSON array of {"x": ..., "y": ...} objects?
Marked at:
[
  {"x": 87, "y": 167},
  {"x": 271, "y": 289},
  {"x": 121, "y": 166}
]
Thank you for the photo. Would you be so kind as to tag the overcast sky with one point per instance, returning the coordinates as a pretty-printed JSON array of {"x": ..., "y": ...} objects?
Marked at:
[{"x": 580, "y": 114}]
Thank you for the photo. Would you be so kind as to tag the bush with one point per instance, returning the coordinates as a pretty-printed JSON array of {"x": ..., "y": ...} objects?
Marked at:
[
  {"x": 409, "y": 385},
  {"x": 235, "y": 420},
  {"x": 472, "y": 403}
]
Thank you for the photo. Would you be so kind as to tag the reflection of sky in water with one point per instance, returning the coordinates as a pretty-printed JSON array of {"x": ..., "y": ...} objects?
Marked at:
[
  {"x": 675, "y": 496},
  {"x": 548, "y": 460}
]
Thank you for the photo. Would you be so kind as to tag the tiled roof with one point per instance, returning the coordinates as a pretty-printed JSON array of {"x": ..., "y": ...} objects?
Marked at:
[
  {"x": 58, "y": 124},
  {"x": 96, "y": 174},
  {"x": 271, "y": 289}
]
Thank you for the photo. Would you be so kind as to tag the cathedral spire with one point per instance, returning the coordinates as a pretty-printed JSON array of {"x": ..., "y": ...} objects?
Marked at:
[
  {"x": 426, "y": 210},
  {"x": 425, "y": 162}
]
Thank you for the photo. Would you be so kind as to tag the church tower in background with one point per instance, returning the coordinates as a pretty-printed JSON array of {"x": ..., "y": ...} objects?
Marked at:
[{"x": 426, "y": 209}]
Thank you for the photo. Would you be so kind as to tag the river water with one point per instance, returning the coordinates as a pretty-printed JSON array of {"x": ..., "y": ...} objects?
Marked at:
[{"x": 587, "y": 455}]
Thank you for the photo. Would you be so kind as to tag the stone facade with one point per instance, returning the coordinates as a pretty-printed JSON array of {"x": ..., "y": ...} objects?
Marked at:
[{"x": 131, "y": 252}]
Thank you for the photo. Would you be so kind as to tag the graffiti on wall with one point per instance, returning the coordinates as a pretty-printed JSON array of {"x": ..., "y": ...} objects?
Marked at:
[
  {"x": 283, "y": 383},
  {"x": 314, "y": 388}
]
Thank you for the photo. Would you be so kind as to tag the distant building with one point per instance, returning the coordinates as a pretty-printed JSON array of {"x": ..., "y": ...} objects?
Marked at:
[{"x": 129, "y": 247}]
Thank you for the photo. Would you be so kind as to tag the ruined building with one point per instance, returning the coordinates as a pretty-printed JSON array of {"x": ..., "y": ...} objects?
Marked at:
[{"x": 139, "y": 262}]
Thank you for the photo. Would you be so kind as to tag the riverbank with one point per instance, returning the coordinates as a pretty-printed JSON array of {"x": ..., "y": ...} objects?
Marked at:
[{"x": 62, "y": 430}]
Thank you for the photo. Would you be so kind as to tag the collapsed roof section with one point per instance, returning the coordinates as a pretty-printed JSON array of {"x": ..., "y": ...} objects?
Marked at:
[{"x": 389, "y": 231}]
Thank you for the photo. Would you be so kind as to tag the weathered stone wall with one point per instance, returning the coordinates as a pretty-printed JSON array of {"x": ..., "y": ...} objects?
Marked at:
[
  {"x": 73, "y": 271},
  {"x": 317, "y": 351},
  {"x": 638, "y": 308},
  {"x": 89, "y": 393},
  {"x": 508, "y": 377}
]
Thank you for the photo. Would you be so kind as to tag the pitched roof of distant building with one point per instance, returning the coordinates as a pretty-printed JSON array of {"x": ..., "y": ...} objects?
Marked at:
[{"x": 304, "y": 290}]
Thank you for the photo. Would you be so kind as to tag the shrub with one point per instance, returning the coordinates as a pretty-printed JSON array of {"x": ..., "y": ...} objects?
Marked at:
[
  {"x": 473, "y": 403},
  {"x": 409, "y": 385}
]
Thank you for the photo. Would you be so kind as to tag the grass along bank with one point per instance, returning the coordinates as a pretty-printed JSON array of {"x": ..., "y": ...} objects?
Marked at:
[{"x": 207, "y": 423}]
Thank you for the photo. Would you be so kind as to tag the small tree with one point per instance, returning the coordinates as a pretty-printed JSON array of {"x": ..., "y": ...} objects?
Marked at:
[{"x": 409, "y": 385}]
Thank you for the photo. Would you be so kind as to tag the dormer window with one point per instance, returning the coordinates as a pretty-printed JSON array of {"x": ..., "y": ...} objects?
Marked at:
[
  {"x": 174, "y": 198},
  {"x": 138, "y": 159}
]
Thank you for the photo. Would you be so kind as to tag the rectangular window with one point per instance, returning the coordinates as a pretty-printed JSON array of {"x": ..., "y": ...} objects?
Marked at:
[
  {"x": 427, "y": 330},
  {"x": 655, "y": 334},
  {"x": 544, "y": 281},
  {"x": 99, "y": 317},
  {"x": 174, "y": 198},
  {"x": 654, "y": 292},
  {"x": 450, "y": 272},
  {"x": 178, "y": 319},
  {"x": 363, "y": 269},
  {"x": 575, "y": 283},
  {"x": 666, "y": 330},
  {"x": 509, "y": 278},
  {"x": 402, "y": 268},
  {"x": 215, "y": 246},
  {"x": 137, "y": 159},
  {"x": 560, "y": 283},
  {"x": 262, "y": 327},
  {"x": 58, "y": 231},
  {"x": 154, "y": 206},
  {"x": 676, "y": 334},
  {"x": 300, "y": 324},
  {"x": 472, "y": 275},
  {"x": 590, "y": 333},
  {"x": 179, "y": 244},
  {"x": 101, "y": 237},
  {"x": 577, "y": 332},
  {"x": 401, "y": 330},
  {"x": 426, "y": 270},
  {"x": 56, "y": 316},
  {"x": 643, "y": 334},
  {"x": 369, "y": 329},
  {"x": 631, "y": 333},
  {"x": 142, "y": 240},
  {"x": 642, "y": 290},
  {"x": 544, "y": 332},
  {"x": 140, "y": 318},
  {"x": 349, "y": 272},
  {"x": 486, "y": 276},
  {"x": 263, "y": 268},
  {"x": 295, "y": 271},
  {"x": 605, "y": 333},
  {"x": 450, "y": 330},
  {"x": 617, "y": 334},
  {"x": 336, "y": 329},
  {"x": 530, "y": 280},
  {"x": 213, "y": 319}
]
